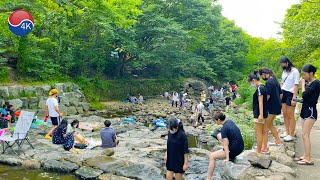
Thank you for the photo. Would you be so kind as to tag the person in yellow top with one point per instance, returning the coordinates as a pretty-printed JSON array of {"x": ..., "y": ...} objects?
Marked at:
[
  {"x": 203, "y": 96},
  {"x": 52, "y": 110}
]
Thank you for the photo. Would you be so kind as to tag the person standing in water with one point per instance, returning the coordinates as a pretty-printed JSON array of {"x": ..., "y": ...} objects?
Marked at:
[
  {"x": 310, "y": 96},
  {"x": 274, "y": 95},
  {"x": 52, "y": 110},
  {"x": 176, "y": 157},
  {"x": 259, "y": 108},
  {"x": 290, "y": 87}
]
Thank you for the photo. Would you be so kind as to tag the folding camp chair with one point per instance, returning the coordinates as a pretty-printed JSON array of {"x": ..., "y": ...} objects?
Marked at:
[{"x": 20, "y": 133}]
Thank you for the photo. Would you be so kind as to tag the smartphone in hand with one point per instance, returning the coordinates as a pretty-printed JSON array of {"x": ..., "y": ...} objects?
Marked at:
[{"x": 300, "y": 100}]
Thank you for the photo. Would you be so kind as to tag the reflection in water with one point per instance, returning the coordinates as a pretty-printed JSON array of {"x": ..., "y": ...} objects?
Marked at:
[
  {"x": 194, "y": 142},
  {"x": 18, "y": 173}
]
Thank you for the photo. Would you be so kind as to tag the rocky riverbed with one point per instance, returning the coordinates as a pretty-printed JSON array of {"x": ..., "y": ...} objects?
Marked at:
[{"x": 141, "y": 149}]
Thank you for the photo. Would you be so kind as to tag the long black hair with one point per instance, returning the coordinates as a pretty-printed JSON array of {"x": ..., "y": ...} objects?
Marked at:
[
  {"x": 285, "y": 59},
  {"x": 309, "y": 68},
  {"x": 76, "y": 121},
  {"x": 254, "y": 75},
  {"x": 266, "y": 71},
  {"x": 63, "y": 124},
  {"x": 175, "y": 124}
]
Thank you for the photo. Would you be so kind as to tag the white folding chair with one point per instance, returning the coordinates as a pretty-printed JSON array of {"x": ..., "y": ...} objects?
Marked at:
[{"x": 20, "y": 133}]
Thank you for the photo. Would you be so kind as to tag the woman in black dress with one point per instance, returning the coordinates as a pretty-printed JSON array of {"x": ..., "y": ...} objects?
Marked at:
[
  {"x": 177, "y": 151},
  {"x": 310, "y": 95}
]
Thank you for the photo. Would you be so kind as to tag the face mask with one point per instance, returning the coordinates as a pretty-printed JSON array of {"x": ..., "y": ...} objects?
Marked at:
[
  {"x": 265, "y": 79},
  {"x": 284, "y": 67},
  {"x": 172, "y": 131}
]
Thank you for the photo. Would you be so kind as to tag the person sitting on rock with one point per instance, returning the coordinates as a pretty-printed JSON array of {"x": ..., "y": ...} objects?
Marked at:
[
  {"x": 231, "y": 139},
  {"x": 72, "y": 127},
  {"x": 61, "y": 136},
  {"x": 5, "y": 114},
  {"x": 11, "y": 112},
  {"x": 176, "y": 157},
  {"x": 108, "y": 136}
]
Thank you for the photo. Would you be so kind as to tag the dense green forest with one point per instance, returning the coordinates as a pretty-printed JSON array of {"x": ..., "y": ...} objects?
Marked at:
[{"x": 92, "y": 41}]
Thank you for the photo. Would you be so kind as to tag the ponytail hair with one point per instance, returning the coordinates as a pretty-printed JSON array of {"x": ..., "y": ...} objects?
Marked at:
[
  {"x": 266, "y": 71},
  {"x": 254, "y": 75}
]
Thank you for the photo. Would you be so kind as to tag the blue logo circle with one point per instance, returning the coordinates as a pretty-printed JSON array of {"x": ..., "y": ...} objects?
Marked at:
[{"x": 20, "y": 22}]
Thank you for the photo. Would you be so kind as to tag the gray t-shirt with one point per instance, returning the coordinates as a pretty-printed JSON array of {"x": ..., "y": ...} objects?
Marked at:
[{"x": 108, "y": 137}]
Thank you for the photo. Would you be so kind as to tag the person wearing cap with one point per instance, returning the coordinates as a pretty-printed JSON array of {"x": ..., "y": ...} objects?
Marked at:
[{"x": 52, "y": 110}]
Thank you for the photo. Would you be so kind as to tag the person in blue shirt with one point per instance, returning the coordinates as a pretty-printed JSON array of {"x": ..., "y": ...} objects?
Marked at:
[{"x": 108, "y": 136}]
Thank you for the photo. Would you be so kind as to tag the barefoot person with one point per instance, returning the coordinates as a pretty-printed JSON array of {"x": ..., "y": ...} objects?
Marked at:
[
  {"x": 231, "y": 139},
  {"x": 259, "y": 108},
  {"x": 290, "y": 87},
  {"x": 310, "y": 95},
  {"x": 274, "y": 94},
  {"x": 176, "y": 157},
  {"x": 52, "y": 110}
]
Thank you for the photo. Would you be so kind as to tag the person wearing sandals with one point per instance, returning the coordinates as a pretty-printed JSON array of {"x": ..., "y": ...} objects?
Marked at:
[
  {"x": 259, "y": 108},
  {"x": 231, "y": 138},
  {"x": 274, "y": 95},
  {"x": 310, "y": 95},
  {"x": 290, "y": 88}
]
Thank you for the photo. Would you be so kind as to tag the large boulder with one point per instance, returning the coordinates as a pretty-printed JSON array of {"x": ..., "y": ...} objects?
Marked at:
[
  {"x": 88, "y": 173},
  {"x": 63, "y": 109},
  {"x": 29, "y": 90},
  {"x": 33, "y": 103},
  {"x": 4, "y": 92},
  {"x": 259, "y": 160},
  {"x": 15, "y": 91},
  {"x": 31, "y": 164},
  {"x": 282, "y": 158},
  {"x": 64, "y": 101},
  {"x": 140, "y": 171},
  {"x": 46, "y": 89},
  {"x": 79, "y": 110},
  {"x": 85, "y": 106},
  {"x": 25, "y": 102},
  {"x": 71, "y": 110},
  {"x": 73, "y": 100},
  {"x": 59, "y": 87},
  {"x": 17, "y": 103},
  {"x": 194, "y": 87},
  {"x": 42, "y": 102},
  {"x": 57, "y": 166}
]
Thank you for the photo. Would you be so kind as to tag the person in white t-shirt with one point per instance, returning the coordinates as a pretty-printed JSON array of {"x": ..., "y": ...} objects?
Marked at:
[
  {"x": 200, "y": 109},
  {"x": 52, "y": 110},
  {"x": 290, "y": 87}
]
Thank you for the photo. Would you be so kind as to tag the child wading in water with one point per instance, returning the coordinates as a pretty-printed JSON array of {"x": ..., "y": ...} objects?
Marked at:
[{"x": 176, "y": 157}]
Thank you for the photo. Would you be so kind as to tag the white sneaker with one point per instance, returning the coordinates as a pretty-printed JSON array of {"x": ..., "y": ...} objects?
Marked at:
[
  {"x": 283, "y": 135},
  {"x": 288, "y": 138}
]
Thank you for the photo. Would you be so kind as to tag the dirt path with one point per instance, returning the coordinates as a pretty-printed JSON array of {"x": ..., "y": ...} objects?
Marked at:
[{"x": 309, "y": 172}]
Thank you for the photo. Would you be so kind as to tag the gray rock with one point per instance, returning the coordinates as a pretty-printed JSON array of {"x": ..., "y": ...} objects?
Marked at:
[
  {"x": 85, "y": 105},
  {"x": 233, "y": 171},
  {"x": 140, "y": 171},
  {"x": 105, "y": 163},
  {"x": 29, "y": 90},
  {"x": 112, "y": 177},
  {"x": 33, "y": 103},
  {"x": 290, "y": 153},
  {"x": 46, "y": 89},
  {"x": 42, "y": 102},
  {"x": 4, "y": 92},
  {"x": 71, "y": 110},
  {"x": 259, "y": 160},
  {"x": 31, "y": 164},
  {"x": 64, "y": 101},
  {"x": 253, "y": 172},
  {"x": 17, "y": 103},
  {"x": 11, "y": 160},
  {"x": 1, "y": 102},
  {"x": 58, "y": 166},
  {"x": 39, "y": 91},
  {"x": 79, "y": 110},
  {"x": 108, "y": 152},
  {"x": 88, "y": 173},
  {"x": 25, "y": 102},
  {"x": 15, "y": 91},
  {"x": 63, "y": 109},
  {"x": 282, "y": 158},
  {"x": 59, "y": 87},
  {"x": 280, "y": 168}
]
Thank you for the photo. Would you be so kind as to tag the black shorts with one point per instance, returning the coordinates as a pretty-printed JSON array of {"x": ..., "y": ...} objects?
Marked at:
[
  {"x": 176, "y": 171},
  {"x": 55, "y": 121},
  {"x": 308, "y": 112},
  {"x": 233, "y": 155},
  {"x": 287, "y": 98}
]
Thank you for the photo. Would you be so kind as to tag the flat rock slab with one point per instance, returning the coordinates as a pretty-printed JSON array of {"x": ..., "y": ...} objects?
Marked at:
[
  {"x": 112, "y": 177},
  {"x": 88, "y": 173},
  {"x": 57, "y": 166},
  {"x": 259, "y": 160},
  {"x": 140, "y": 171},
  {"x": 11, "y": 160}
]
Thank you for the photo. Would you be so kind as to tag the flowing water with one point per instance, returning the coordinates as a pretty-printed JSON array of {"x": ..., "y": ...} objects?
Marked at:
[{"x": 19, "y": 173}]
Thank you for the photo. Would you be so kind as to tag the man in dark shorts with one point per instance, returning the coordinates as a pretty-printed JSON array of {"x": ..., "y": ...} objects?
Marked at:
[
  {"x": 231, "y": 139},
  {"x": 52, "y": 110}
]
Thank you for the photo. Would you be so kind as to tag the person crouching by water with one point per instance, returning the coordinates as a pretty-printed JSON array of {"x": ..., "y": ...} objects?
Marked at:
[
  {"x": 176, "y": 157},
  {"x": 108, "y": 136},
  {"x": 231, "y": 139}
]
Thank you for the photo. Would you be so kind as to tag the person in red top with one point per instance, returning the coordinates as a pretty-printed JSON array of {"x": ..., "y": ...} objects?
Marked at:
[{"x": 234, "y": 87}]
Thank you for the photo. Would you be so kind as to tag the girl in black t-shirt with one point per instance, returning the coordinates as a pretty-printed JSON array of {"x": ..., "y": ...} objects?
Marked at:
[
  {"x": 310, "y": 95},
  {"x": 259, "y": 108},
  {"x": 176, "y": 157},
  {"x": 274, "y": 94}
]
